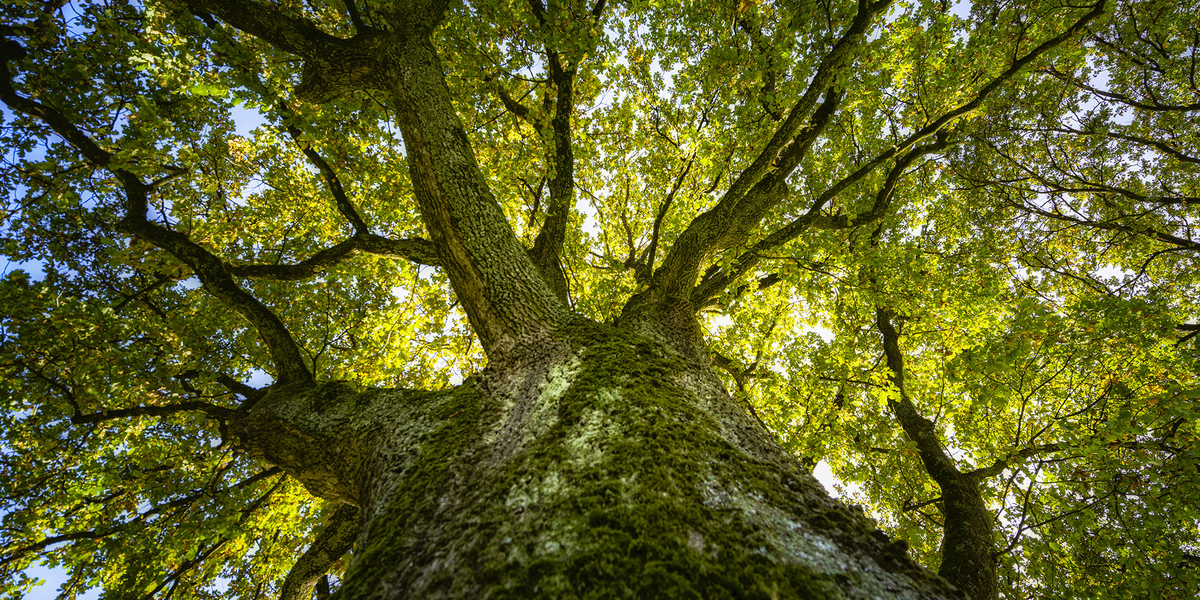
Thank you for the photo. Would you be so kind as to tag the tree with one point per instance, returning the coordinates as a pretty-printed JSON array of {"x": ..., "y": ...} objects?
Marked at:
[{"x": 602, "y": 217}]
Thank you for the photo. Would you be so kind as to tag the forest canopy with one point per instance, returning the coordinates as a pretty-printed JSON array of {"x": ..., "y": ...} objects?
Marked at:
[{"x": 942, "y": 250}]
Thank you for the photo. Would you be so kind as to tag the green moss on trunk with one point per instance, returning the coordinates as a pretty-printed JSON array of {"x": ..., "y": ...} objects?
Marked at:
[{"x": 617, "y": 485}]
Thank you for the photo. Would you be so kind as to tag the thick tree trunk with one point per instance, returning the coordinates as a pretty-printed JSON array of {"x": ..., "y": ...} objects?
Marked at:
[{"x": 603, "y": 465}]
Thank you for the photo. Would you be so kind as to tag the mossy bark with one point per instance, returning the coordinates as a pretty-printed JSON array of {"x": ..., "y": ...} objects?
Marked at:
[{"x": 604, "y": 465}]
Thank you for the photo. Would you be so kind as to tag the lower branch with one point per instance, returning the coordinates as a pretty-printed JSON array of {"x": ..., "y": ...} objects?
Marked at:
[
  {"x": 417, "y": 250},
  {"x": 334, "y": 541}
]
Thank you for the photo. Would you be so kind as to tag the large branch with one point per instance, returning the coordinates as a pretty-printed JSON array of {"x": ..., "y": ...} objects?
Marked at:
[
  {"x": 967, "y": 545},
  {"x": 548, "y": 245},
  {"x": 334, "y": 541},
  {"x": 501, "y": 289},
  {"x": 215, "y": 279},
  {"x": 761, "y": 185}
]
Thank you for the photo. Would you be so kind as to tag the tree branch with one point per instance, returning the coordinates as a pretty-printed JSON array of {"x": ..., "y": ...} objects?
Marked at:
[
  {"x": 331, "y": 179},
  {"x": 967, "y": 546},
  {"x": 207, "y": 267},
  {"x": 761, "y": 184},
  {"x": 502, "y": 290},
  {"x": 716, "y": 281},
  {"x": 919, "y": 429},
  {"x": 417, "y": 250},
  {"x": 516, "y": 108},
  {"x": 334, "y": 541},
  {"x": 548, "y": 245},
  {"x": 355, "y": 17},
  {"x": 210, "y": 410},
  {"x": 1157, "y": 145},
  {"x": 1121, "y": 97},
  {"x": 932, "y": 129},
  {"x": 911, "y": 507},
  {"x": 252, "y": 394},
  {"x": 656, "y": 232},
  {"x": 95, "y": 534},
  {"x": 290, "y": 34},
  {"x": 1013, "y": 460},
  {"x": 1109, "y": 225},
  {"x": 332, "y": 66}
]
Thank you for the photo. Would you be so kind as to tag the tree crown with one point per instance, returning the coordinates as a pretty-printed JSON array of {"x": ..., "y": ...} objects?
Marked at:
[{"x": 396, "y": 194}]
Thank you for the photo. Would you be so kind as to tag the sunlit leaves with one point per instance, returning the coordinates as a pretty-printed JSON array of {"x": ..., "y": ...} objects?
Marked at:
[{"x": 1037, "y": 266}]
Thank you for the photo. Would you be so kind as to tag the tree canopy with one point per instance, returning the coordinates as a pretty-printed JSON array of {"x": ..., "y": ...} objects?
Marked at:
[{"x": 946, "y": 250}]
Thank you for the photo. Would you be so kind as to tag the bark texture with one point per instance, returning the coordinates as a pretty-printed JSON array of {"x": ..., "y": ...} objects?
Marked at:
[{"x": 602, "y": 465}]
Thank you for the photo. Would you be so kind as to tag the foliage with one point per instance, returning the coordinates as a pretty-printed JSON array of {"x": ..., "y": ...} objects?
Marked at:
[{"x": 1038, "y": 251}]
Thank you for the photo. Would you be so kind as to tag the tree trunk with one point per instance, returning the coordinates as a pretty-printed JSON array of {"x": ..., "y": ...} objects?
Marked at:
[{"x": 601, "y": 465}]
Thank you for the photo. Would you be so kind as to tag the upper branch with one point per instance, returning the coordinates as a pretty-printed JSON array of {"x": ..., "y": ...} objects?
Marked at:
[
  {"x": 827, "y": 72},
  {"x": 717, "y": 280},
  {"x": 515, "y": 107},
  {"x": 647, "y": 265},
  {"x": 1013, "y": 460},
  {"x": 1108, "y": 224},
  {"x": 1157, "y": 145},
  {"x": 761, "y": 185},
  {"x": 207, "y": 267},
  {"x": 216, "y": 280}
]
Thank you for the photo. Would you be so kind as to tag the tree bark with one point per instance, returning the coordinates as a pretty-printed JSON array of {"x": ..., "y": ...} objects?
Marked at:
[{"x": 603, "y": 465}]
